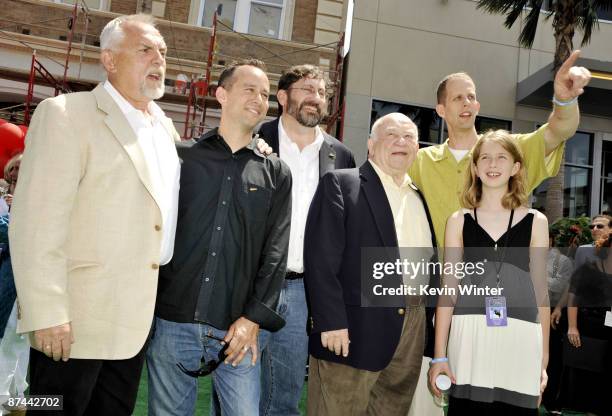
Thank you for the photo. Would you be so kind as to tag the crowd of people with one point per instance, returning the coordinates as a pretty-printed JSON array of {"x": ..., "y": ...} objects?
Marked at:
[
  {"x": 241, "y": 258},
  {"x": 580, "y": 291}
]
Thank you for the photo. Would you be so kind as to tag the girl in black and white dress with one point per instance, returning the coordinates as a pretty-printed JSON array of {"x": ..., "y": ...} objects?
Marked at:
[{"x": 495, "y": 347}]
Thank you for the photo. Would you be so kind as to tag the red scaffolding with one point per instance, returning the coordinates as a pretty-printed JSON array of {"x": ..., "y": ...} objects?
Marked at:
[
  {"x": 36, "y": 67},
  {"x": 198, "y": 91}
]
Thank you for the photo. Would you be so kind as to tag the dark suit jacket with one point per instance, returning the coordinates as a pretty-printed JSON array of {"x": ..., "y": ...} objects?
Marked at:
[
  {"x": 350, "y": 210},
  {"x": 333, "y": 154}
]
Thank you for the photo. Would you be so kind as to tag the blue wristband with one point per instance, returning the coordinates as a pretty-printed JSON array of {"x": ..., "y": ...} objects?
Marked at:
[
  {"x": 439, "y": 360},
  {"x": 564, "y": 103}
]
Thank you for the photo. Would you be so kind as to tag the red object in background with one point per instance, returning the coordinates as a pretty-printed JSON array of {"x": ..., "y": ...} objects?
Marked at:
[
  {"x": 200, "y": 88},
  {"x": 180, "y": 86},
  {"x": 12, "y": 141}
]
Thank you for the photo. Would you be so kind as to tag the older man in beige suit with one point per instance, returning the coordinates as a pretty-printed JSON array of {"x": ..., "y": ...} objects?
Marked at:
[{"x": 94, "y": 215}]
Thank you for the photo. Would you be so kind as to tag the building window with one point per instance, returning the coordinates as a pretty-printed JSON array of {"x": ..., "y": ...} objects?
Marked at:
[
  {"x": 427, "y": 120},
  {"x": 484, "y": 124},
  {"x": 228, "y": 12},
  {"x": 606, "y": 177},
  {"x": 578, "y": 172},
  {"x": 92, "y": 4},
  {"x": 431, "y": 126},
  {"x": 265, "y": 18},
  {"x": 257, "y": 17},
  {"x": 577, "y": 191}
]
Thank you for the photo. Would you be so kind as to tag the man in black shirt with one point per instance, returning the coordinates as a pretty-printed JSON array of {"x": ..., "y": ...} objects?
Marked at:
[{"x": 230, "y": 257}]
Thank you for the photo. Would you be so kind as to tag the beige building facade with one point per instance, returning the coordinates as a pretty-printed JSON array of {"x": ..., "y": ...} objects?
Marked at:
[{"x": 400, "y": 49}]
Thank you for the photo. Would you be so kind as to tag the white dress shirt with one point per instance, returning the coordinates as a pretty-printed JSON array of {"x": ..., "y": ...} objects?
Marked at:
[
  {"x": 304, "y": 167},
  {"x": 162, "y": 162}
]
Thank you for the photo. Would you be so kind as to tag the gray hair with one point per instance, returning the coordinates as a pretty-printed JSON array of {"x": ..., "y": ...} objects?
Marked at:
[
  {"x": 376, "y": 126},
  {"x": 10, "y": 164},
  {"x": 113, "y": 33}
]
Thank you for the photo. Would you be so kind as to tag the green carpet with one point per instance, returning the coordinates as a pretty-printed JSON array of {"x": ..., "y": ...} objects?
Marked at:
[{"x": 203, "y": 403}]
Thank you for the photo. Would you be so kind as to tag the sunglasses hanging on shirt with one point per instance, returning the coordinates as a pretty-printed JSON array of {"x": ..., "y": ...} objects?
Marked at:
[{"x": 206, "y": 367}]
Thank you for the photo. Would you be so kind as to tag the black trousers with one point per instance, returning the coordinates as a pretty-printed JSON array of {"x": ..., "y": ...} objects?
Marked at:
[
  {"x": 89, "y": 387},
  {"x": 550, "y": 398}
]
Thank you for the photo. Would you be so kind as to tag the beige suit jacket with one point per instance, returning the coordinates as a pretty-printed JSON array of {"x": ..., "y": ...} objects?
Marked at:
[{"x": 85, "y": 231}]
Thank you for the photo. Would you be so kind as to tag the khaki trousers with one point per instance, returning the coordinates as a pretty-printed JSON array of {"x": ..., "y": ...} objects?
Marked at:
[{"x": 337, "y": 389}]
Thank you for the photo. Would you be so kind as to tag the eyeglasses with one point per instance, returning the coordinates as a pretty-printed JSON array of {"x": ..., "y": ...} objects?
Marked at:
[
  {"x": 598, "y": 226},
  {"x": 206, "y": 367},
  {"x": 311, "y": 91}
]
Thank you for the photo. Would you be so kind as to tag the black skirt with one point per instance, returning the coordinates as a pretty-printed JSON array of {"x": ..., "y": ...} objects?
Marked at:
[{"x": 463, "y": 407}]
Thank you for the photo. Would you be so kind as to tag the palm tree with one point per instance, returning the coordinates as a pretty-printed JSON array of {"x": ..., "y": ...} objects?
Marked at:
[{"x": 568, "y": 15}]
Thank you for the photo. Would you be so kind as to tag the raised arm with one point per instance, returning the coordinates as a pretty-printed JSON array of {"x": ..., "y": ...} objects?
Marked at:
[{"x": 569, "y": 83}]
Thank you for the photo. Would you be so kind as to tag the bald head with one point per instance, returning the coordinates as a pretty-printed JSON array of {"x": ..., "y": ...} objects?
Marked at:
[
  {"x": 389, "y": 119},
  {"x": 393, "y": 144}
]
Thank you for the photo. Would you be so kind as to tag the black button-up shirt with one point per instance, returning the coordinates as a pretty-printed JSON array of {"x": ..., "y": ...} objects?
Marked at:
[{"x": 232, "y": 236}]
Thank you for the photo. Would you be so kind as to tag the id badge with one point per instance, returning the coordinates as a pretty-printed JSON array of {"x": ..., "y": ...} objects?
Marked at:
[
  {"x": 496, "y": 311},
  {"x": 608, "y": 321}
]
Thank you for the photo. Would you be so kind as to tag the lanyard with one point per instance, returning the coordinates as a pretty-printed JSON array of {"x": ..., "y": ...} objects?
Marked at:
[{"x": 499, "y": 261}]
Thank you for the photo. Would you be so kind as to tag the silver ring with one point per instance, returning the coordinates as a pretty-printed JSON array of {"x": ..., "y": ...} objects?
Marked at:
[
  {"x": 47, "y": 347},
  {"x": 245, "y": 348}
]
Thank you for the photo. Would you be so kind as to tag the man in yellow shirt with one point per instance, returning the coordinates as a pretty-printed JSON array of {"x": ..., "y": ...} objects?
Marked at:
[{"x": 439, "y": 171}]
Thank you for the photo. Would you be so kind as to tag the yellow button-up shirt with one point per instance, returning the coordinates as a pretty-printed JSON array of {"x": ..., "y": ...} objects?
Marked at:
[
  {"x": 441, "y": 178},
  {"x": 409, "y": 216}
]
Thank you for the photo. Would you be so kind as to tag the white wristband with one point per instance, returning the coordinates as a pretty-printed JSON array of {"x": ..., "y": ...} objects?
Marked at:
[{"x": 564, "y": 103}]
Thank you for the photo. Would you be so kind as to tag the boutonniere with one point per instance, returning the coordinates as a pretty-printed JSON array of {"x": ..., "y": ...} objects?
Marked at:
[{"x": 332, "y": 156}]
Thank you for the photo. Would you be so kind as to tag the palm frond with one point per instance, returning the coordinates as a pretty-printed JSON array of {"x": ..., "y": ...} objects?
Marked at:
[
  {"x": 497, "y": 6},
  {"x": 514, "y": 15},
  {"x": 583, "y": 15},
  {"x": 587, "y": 20},
  {"x": 512, "y": 9},
  {"x": 528, "y": 33}
]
